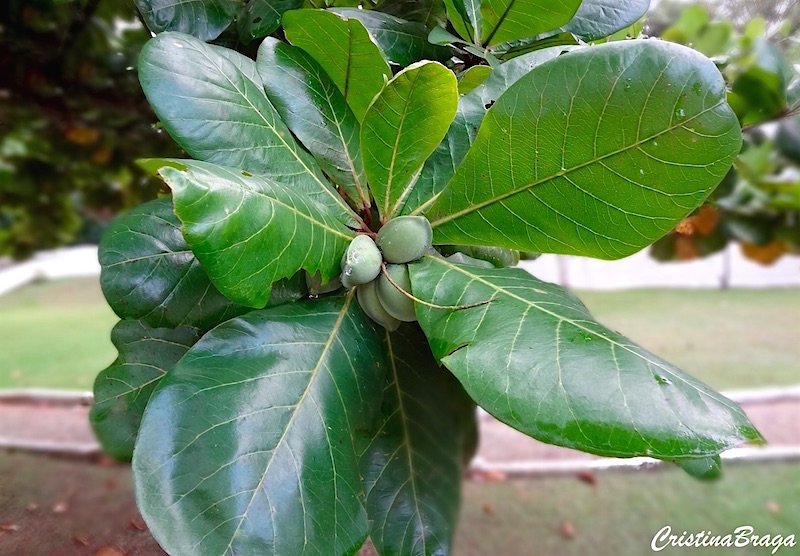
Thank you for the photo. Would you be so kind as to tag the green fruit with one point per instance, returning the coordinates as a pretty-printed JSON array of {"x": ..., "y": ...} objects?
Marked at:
[
  {"x": 361, "y": 262},
  {"x": 396, "y": 303},
  {"x": 367, "y": 296},
  {"x": 405, "y": 238},
  {"x": 461, "y": 258}
]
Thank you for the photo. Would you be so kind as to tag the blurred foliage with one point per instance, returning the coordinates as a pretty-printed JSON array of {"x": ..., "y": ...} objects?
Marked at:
[
  {"x": 758, "y": 203},
  {"x": 73, "y": 120}
]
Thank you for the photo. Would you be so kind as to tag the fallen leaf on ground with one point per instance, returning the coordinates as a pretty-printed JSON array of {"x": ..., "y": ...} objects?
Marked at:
[
  {"x": 567, "y": 530},
  {"x": 9, "y": 527},
  {"x": 488, "y": 509},
  {"x": 587, "y": 477},
  {"x": 109, "y": 551},
  {"x": 83, "y": 541},
  {"x": 138, "y": 524},
  {"x": 60, "y": 508}
]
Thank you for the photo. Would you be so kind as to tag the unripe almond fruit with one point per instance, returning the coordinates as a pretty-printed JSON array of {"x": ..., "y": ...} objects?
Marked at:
[
  {"x": 395, "y": 302},
  {"x": 361, "y": 262},
  {"x": 367, "y": 296},
  {"x": 405, "y": 239},
  {"x": 461, "y": 258}
]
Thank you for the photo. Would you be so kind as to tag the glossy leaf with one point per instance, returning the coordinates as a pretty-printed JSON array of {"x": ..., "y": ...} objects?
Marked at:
[
  {"x": 149, "y": 272},
  {"x": 260, "y": 18},
  {"x": 316, "y": 112},
  {"x": 204, "y": 19},
  {"x": 348, "y": 54},
  {"x": 427, "y": 12},
  {"x": 472, "y": 107},
  {"x": 596, "y": 19},
  {"x": 401, "y": 42},
  {"x": 249, "y": 232},
  {"x": 402, "y": 127},
  {"x": 247, "y": 445},
  {"x": 536, "y": 359},
  {"x": 598, "y": 152},
  {"x": 217, "y": 113},
  {"x": 413, "y": 465},
  {"x": 510, "y": 20},
  {"x": 122, "y": 390}
]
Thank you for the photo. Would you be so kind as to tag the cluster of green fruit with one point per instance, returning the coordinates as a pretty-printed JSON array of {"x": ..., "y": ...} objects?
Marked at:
[{"x": 379, "y": 267}]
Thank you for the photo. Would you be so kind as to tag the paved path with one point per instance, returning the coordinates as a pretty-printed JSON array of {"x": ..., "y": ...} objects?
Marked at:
[{"x": 38, "y": 425}]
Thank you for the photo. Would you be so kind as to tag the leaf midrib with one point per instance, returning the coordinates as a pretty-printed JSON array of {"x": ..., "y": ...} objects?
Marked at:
[
  {"x": 563, "y": 172},
  {"x": 314, "y": 222},
  {"x": 328, "y": 191},
  {"x": 406, "y": 437},
  {"x": 320, "y": 363},
  {"x": 503, "y": 291}
]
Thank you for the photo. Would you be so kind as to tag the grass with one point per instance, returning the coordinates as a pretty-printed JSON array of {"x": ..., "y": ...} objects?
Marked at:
[
  {"x": 618, "y": 516},
  {"x": 56, "y": 334},
  {"x": 729, "y": 339}
]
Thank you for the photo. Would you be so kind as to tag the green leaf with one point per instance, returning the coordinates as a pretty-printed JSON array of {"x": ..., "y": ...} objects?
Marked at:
[
  {"x": 204, "y": 19},
  {"x": 598, "y": 152},
  {"x": 536, "y": 359},
  {"x": 249, "y": 232},
  {"x": 348, "y": 54},
  {"x": 122, "y": 390},
  {"x": 427, "y": 12},
  {"x": 149, "y": 272},
  {"x": 510, "y": 20},
  {"x": 413, "y": 466},
  {"x": 472, "y": 107},
  {"x": 316, "y": 112},
  {"x": 401, "y": 42},
  {"x": 402, "y": 127},
  {"x": 596, "y": 19},
  {"x": 247, "y": 445},
  {"x": 471, "y": 78},
  {"x": 217, "y": 113},
  {"x": 465, "y": 15},
  {"x": 259, "y": 18}
]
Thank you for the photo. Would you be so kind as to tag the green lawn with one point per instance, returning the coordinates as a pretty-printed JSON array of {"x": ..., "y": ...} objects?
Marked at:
[
  {"x": 56, "y": 334},
  {"x": 621, "y": 513}
]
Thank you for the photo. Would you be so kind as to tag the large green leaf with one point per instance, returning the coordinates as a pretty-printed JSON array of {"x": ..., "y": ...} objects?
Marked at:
[
  {"x": 247, "y": 447},
  {"x": 122, "y": 390},
  {"x": 472, "y": 107},
  {"x": 316, "y": 112},
  {"x": 536, "y": 359},
  {"x": 149, "y": 272},
  {"x": 402, "y": 127},
  {"x": 249, "y": 232},
  {"x": 401, "y": 42},
  {"x": 205, "y": 19},
  {"x": 413, "y": 465},
  {"x": 217, "y": 113},
  {"x": 598, "y": 152},
  {"x": 510, "y": 20},
  {"x": 347, "y": 53},
  {"x": 259, "y": 18},
  {"x": 596, "y": 19}
]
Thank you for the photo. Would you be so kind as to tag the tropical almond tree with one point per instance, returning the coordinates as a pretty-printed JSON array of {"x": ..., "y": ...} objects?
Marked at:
[{"x": 311, "y": 318}]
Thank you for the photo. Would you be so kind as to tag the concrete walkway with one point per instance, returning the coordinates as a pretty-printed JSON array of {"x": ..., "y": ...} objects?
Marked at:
[{"x": 64, "y": 428}]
